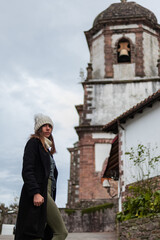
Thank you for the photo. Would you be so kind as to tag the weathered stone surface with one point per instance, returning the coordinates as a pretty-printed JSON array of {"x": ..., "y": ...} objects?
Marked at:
[
  {"x": 138, "y": 229},
  {"x": 98, "y": 221}
]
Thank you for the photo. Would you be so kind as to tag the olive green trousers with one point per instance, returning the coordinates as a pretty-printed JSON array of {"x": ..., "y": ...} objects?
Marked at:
[{"x": 54, "y": 218}]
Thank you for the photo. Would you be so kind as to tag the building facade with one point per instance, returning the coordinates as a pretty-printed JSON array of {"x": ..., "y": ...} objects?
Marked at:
[
  {"x": 124, "y": 69},
  {"x": 137, "y": 130}
]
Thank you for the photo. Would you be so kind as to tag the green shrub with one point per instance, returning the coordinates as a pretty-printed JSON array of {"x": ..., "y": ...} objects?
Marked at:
[
  {"x": 146, "y": 204},
  {"x": 143, "y": 198}
]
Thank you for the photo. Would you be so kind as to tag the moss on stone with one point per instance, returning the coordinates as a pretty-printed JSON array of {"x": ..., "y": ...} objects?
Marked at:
[
  {"x": 69, "y": 211},
  {"x": 97, "y": 208}
]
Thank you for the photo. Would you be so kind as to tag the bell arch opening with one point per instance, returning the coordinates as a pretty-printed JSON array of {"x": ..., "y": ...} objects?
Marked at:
[{"x": 124, "y": 51}]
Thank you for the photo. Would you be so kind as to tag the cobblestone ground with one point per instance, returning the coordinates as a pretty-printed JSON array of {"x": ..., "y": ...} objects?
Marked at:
[{"x": 79, "y": 236}]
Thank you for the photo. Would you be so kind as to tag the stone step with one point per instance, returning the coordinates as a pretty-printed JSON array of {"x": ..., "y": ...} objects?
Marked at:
[{"x": 78, "y": 236}]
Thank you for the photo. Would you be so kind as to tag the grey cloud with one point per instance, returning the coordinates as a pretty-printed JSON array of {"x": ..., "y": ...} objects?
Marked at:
[{"x": 42, "y": 48}]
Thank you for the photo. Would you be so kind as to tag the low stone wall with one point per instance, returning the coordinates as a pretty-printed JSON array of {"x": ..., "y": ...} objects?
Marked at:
[
  {"x": 91, "y": 203},
  {"x": 10, "y": 218},
  {"x": 142, "y": 228},
  {"x": 97, "y": 221}
]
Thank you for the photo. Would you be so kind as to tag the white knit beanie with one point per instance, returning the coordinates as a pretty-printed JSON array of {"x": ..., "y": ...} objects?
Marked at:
[{"x": 40, "y": 120}]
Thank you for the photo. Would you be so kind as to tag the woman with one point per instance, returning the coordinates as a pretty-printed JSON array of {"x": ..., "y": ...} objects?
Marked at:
[{"x": 38, "y": 216}]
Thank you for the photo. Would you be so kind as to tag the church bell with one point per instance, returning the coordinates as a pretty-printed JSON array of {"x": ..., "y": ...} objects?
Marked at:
[
  {"x": 123, "y": 49},
  {"x": 123, "y": 52}
]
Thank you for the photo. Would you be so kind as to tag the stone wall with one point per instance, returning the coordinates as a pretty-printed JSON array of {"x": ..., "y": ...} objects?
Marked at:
[
  {"x": 95, "y": 221},
  {"x": 99, "y": 218},
  {"x": 137, "y": 229},
  {"x": 10, "y": 218},
  {"x": 83, "y": 204}
]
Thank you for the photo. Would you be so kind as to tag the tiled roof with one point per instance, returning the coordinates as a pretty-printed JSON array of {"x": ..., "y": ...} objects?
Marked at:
[
  {"x": 125, "y": 10},
  {"x": 148, "y": 102}
]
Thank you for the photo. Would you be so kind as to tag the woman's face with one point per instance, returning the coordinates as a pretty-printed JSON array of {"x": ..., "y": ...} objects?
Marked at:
[{"x": 46, "y": 130}]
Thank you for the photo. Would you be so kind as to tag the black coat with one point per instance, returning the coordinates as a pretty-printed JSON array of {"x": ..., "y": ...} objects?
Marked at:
[{"x": 31, "y": 220}]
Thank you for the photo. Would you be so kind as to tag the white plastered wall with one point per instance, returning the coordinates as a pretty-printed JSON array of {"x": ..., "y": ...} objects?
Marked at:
[
  {"x": 124, "y": 71},
  {"x": 102, "y": 151},
  {"x": 110, "y": 100},
  {"x": 142, "y": 129},
  {"x": 97, "y": 57},
  {"x": 116, "y": 37},
  {"x": 151, "y": 51},
  {"x": 102, "y": 135}
]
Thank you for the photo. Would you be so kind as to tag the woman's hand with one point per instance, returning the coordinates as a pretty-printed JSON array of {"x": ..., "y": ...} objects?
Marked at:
[{"x": 38, "y": 200}]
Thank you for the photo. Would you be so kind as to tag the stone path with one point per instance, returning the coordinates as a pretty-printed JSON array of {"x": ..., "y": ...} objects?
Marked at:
[
  {"x": 79, "y": 236},
  {"x": 92, "y": 236}
]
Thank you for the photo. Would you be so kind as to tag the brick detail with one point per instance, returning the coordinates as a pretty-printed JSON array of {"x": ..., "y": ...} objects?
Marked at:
[
  {"x": 85, "y": 183},
  {"x": 132, "y": 46},
  {"x": 90, "y": 185},
  {"x": 87, "y": 106},
  {"x": 120, "y": 143},
  {"x": 139, "y": 60},
  {"x": 108, "y": 53}
]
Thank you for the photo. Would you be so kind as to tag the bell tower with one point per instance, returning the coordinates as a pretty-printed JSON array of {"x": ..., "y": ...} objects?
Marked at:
[
  {"x": 124, "y": 33},
  {"x": 124, "y": 69}
]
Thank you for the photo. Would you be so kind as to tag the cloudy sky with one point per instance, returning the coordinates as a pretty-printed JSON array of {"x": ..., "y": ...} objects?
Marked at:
[{"x": 42, "y": 49}]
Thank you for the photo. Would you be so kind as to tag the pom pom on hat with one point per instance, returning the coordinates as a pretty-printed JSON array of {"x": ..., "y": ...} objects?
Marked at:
[{"x": 40, "y": 120}]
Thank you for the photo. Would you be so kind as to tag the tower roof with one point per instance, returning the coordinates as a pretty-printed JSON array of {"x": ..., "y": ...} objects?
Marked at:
[{"x": 125, "y": 10}]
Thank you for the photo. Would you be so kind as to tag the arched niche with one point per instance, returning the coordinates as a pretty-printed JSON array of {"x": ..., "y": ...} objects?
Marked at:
[{"x": 124, "y": 51}]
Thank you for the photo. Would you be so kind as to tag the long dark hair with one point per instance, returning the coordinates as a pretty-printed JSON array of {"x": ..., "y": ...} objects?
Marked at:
[{"x": 38, "y": 134}]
